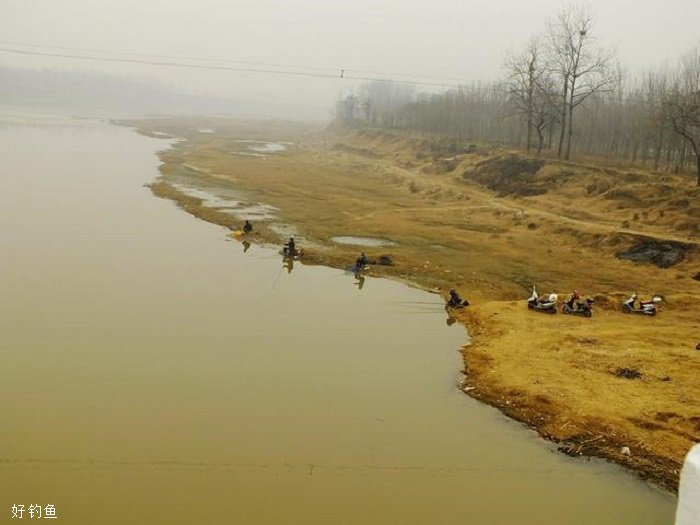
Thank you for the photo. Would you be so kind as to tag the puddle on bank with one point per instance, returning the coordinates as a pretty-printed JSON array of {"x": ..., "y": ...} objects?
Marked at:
[
  {"x": 363, "y": 241},
  {"x": 261, "y": 148},
  {"x": 229, "y": 201},
  {"x": 249, "y": 154}
]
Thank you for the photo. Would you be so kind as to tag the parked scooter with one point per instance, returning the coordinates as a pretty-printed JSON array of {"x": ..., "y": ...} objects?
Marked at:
[
  {"x": 645, "y": 307},
  {"x": 577, "y": 307},
  {"x": 548, "y": 303}
]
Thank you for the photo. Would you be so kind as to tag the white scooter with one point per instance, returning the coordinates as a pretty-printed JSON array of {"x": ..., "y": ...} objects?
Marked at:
[
  {"x": 547, "y": 303},
  {"x": 645, "y": 307}
]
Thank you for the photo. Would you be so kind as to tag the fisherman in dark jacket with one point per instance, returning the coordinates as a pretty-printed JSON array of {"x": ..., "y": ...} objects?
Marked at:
[
  {"x": 455, "y": 301},
  {"x": 290, "y": 248},
  {"x": 361, "y": 262}
]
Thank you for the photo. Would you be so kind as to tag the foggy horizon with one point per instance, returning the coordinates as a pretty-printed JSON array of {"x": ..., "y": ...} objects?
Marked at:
[{"x": 310, "y": 45}]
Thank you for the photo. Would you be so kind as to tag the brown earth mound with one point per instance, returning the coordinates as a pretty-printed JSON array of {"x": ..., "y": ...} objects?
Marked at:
[
  {"x": 509, "y": 174},
  {"x": 662, "y": 254}
]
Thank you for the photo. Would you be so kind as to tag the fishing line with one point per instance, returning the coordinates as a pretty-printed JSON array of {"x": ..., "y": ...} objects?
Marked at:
[{"x": 277, "y": 278}]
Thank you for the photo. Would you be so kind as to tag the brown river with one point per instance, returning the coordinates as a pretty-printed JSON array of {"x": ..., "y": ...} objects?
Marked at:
[{"x": 154, "y": 372}]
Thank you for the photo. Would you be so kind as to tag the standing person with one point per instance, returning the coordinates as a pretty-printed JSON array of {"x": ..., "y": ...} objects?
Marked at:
[{"x": 247, "y": 227}]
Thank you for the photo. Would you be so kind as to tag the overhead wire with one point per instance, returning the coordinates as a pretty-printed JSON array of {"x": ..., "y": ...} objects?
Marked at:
[
  {"x": 170, "y": 57},
  {"x": 229, "y": 61},
  {"x": 164, "y": 64},
  {"x": 255, "y": 67}
]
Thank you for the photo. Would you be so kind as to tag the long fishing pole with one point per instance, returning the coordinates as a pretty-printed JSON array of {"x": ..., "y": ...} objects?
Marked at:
[{"x": 274, "y": 283}]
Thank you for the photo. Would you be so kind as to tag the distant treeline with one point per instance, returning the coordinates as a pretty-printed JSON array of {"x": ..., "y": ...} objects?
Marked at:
[{"x": 559, "y": 95}]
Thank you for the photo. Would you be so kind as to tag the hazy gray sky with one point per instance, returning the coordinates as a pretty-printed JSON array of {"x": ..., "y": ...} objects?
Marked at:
[{"x": 454, "y": 39}]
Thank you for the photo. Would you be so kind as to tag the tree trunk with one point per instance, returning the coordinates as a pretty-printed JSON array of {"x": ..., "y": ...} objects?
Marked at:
[
  {"x": 658, "y": 148},
  {"x": 635, "y": 151},
  {"x": 540, "y": 141},
  {"x": 696, "y": 149},
  {"x": 563, "y": 115},
  {"x": 571, "y": 129},
  {"x": 562, "y": 131}
]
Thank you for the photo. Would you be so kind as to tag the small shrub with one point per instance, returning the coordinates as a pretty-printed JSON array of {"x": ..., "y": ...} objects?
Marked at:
[{"x": 628, "y": 373}]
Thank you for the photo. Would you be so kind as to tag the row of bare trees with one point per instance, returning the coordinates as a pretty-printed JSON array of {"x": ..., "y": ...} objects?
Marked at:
[
  {"x": 556, "y": 73},
  {"x": 560, "y": 93}
]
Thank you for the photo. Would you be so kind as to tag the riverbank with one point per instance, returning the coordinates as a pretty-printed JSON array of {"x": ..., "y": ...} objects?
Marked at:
[{"x": 454, "y": 221}]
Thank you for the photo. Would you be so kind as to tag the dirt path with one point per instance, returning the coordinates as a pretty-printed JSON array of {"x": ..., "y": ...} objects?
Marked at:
[{"x": 597, "y": 223}]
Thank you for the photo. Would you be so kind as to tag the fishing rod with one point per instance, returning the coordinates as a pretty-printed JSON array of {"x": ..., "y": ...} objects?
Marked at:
[
  {"x": 274, "y": 283},
  {"x": 414, "y": 302}
]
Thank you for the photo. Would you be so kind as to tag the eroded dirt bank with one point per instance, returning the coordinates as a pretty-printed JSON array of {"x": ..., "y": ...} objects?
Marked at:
[{"x": 492, "y": 223}]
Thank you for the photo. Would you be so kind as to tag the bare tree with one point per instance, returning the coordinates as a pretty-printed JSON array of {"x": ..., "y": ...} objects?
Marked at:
[
  {"x": 582, "y": 70},
  {"x": 681, "y": 107},
  {"x": 653, "y": 90},
  {"x": 650, "y": 119},
  {"x": 546, "y": 114},
  {"x": 346, "y": 109},
  {"x": 383, "y": 101},
  {"x": 523, "y": 71},
  {"x": 531, "y": 91}
]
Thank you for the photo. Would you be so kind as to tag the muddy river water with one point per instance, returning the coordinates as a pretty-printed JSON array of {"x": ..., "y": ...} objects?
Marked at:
[{"x": 154, "y": 372}]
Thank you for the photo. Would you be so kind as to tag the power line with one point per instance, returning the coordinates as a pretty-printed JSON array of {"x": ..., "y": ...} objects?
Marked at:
[
  {"x": 170, "y": 57},
  {"x": 329, "y": 69},
  {"x": 165, "y": 64},
  {"x": 288, "y": 70}
]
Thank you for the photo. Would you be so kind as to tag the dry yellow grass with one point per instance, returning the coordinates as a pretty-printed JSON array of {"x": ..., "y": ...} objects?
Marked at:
[{"x": 556, "y": 373}]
